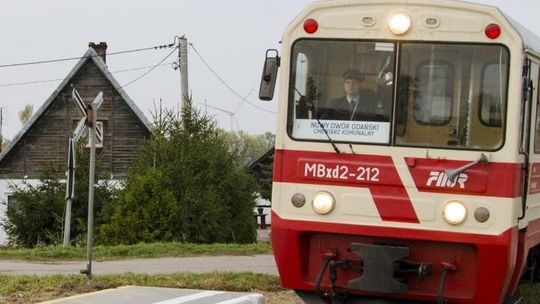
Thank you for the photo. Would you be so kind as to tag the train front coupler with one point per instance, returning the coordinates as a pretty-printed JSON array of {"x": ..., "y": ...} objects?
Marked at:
[
  {"x": 378, "y": 265},
  {"x": 381, "y": 263}
]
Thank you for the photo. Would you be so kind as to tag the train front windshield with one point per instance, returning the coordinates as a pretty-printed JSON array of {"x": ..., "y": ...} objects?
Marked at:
[{"x": 445, "y": 95}]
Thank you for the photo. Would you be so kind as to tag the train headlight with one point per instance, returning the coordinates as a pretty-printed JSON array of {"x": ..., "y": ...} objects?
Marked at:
[
  {"x": 323, "y": 202},
  {"x": 399, "y": 23},
  {"x": 454, "y": 212}
]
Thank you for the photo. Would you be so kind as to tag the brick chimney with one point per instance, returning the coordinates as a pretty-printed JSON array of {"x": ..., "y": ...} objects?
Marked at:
[{"x": 101, "y": 49}]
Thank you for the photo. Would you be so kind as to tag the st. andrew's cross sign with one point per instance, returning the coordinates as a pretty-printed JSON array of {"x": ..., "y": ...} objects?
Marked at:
[{"x": 88, "y": 121}]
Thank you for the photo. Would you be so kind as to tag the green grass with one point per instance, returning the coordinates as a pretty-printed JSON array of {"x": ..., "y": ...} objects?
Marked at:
[
  {"x": 31, "y": 289},
  {"x": 530, "y": 293},
  {"x": 154, "y": 250},
  {"x": 26, "y": 289}
]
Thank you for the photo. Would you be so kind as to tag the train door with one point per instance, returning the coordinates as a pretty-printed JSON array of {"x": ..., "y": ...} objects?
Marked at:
[{"x": 533, "y": 196}]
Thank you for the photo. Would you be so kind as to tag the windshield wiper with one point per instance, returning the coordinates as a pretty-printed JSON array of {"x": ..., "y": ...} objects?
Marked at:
[
  {"x": 452, "y": 174},
  {"x": 329, "y": 138}
]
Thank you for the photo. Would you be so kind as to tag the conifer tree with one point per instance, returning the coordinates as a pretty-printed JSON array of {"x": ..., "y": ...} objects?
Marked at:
[{"x": 185, "y": 186}]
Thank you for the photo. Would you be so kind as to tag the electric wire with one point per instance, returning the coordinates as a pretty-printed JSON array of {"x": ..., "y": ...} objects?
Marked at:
[
  {"x": 60, "y": 79},
  {"x": 14, "y": 84},
  {"x": 78, "y": 58},
  {"x": 245, "y": 97},
  {"x": 151, "y": 69},
  {"x": 225, "y": 83}
]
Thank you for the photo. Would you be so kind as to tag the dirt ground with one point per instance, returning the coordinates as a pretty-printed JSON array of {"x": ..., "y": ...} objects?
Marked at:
[{"x": 282, "y": 297}]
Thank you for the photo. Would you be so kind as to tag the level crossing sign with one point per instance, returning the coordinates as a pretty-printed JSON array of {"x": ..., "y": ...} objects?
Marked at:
[
  {"x": 84, "y": 123},
  {"x": 88, "y": 121}
]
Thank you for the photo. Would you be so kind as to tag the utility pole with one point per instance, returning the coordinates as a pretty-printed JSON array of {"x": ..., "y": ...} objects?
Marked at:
[
  {"x": 183, "y": 59},
  {"x": 1, "y": 123}
]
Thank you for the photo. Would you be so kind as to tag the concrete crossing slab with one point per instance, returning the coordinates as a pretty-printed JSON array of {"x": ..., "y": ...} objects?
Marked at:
[{"x": 158, "y": 295}]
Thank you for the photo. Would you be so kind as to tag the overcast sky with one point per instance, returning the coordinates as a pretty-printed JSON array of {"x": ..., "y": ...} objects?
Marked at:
[{"x": 231, "y": 35}]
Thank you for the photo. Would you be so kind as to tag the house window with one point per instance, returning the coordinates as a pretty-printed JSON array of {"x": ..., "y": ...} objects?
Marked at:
[
  {"x": 11, "y": 202},
  {"x": 99, "y": 135}
]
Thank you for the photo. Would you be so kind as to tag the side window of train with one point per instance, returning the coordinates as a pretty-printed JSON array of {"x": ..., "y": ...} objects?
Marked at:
[
  {"x": 304, "y": 104},
  {"x": 536, "y": 99},
  {"x": 492, "y": 94},
  {"x": 433, "y": 93}
]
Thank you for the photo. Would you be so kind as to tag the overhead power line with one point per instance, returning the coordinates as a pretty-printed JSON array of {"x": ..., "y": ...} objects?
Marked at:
[
  {"x": 151, "y": 69},
  {"x": 78, "y": 58},
  {"x": 14, "y": 84},
  {"x": 60, "y": 79},
  {"x": 226, "y": 85}
]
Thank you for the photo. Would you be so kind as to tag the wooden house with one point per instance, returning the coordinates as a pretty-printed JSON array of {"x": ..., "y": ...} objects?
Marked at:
[
  {"x": 42, "y": 144},
  {"x": 262, "y": 170}
]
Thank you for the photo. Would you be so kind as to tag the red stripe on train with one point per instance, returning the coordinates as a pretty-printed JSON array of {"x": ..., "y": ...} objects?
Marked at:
[
  {"x": 374, "y": 172},
  {"x": 379, "y": 174},
  {"x": 492, "y": 179}
]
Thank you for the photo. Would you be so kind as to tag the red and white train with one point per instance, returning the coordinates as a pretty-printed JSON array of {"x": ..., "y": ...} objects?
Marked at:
[{"x": 407, "y": 157}]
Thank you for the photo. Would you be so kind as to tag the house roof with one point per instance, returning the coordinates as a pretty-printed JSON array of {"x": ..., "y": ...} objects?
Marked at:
[
  {"x": 263, "y": 158},
  {"x": 89, "y": 55}
]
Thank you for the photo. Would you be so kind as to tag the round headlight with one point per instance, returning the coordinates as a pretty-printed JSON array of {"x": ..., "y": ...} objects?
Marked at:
[
  {"x": 454, "y": 212},
  {"x": 399, "y": 23},
  {"x": 323, "y": 203}
]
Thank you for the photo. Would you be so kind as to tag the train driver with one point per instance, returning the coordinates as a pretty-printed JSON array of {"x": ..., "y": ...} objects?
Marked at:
[{"x": 357, "y": 104}]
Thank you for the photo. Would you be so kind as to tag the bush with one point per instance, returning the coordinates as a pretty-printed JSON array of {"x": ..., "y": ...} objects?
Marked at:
[
  {"x": 185, "y": 186},
  {"x": 145, "y": 212},
  {"x": 37, "y": 217}
]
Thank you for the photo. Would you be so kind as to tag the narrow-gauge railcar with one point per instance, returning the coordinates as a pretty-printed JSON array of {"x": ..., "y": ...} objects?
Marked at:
[{"x": 427, "y": 186}]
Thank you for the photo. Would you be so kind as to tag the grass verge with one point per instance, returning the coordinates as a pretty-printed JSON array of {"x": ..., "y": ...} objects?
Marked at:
[
  {"x": 32, "y": 289},
  {"x": 154, "y": 250},
  {"x": 530, "y": 292}
]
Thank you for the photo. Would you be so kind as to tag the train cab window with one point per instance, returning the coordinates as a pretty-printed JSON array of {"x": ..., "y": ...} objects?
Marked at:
[
  {"x": 433, "y": 94},
  {"x": 342, "y": 90},
  {"x": 451, "y": 96}
]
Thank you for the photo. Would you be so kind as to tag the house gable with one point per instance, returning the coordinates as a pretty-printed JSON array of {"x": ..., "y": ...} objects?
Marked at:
[{"x": 42, "y": 143}]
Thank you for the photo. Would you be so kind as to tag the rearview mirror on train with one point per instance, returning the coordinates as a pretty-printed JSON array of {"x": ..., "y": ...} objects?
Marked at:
[{"x": 269, "y": 75}]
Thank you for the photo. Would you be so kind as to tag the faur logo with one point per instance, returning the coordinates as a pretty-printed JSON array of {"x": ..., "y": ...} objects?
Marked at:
[{"x": 441, "y": 180}]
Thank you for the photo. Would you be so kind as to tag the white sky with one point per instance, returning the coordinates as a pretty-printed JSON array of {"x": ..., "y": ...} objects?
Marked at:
[{"x": 231, "y": 35}]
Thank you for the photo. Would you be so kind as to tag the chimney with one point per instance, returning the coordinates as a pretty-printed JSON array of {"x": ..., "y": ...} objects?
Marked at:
[{"x": 101, "y": 49}]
